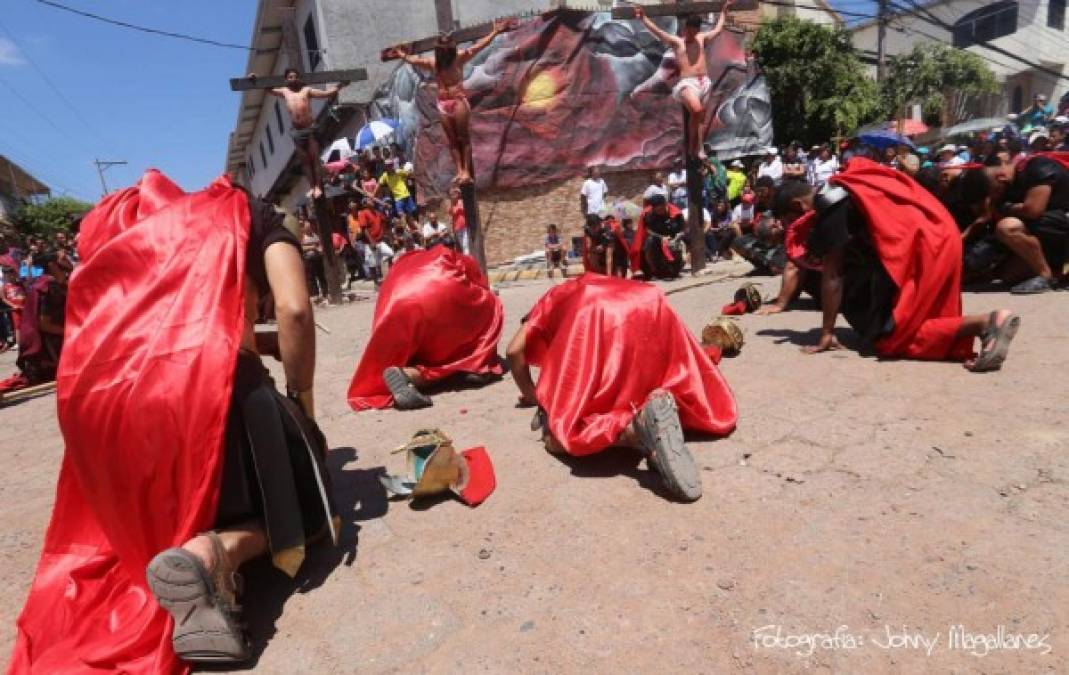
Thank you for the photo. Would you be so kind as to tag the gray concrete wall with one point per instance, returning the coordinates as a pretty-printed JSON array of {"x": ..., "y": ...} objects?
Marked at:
[{"x": 354, "y": 33}]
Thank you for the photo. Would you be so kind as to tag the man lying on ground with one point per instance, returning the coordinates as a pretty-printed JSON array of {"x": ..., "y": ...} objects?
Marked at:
[
  {"x": 181, "y": 456},
  {"x": 617, "y": 368},
  {"x": 435, "y": 318},
  {"x": 890, "y": 257}
]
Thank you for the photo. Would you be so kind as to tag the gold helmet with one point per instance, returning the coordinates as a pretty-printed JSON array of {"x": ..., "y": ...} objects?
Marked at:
[
  {"x": 725, "y": 334},
  {"x": 749, "y": 294}
]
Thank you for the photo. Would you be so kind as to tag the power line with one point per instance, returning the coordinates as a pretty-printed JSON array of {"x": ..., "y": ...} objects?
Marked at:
[
  {"x": 43, "y": 116},
  {"x": 145, "y": 29},
  {"x": 48, "y": 81}
]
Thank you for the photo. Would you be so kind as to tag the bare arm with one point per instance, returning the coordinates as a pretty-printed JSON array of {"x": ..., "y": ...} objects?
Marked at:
[
  {"x": 296, "y": 323},
  {"x": 719, "y": 22},
  {"x": 658, "y": 33},
  {"x": 1034, "y": 204},
  {"x": 521, "y": 372},
  {"x": 329, "y": 92},
  {"x": 789, "y": 288},
  {"x": 499, "y": 27},
  {"x": 424, "y": 62}
]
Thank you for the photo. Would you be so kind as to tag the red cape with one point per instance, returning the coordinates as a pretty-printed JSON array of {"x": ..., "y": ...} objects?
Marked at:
[
  {"x": 154, "y": 321},
  {"x": 640, "y": 235},
  {"x": 602, "y": 345},
  {"x": 920, "y": 247},
  {"x": 435, "y": 313}
]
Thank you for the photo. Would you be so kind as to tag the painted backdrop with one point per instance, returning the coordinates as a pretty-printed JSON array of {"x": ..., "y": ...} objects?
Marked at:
[{"x": 570, "y": 89}]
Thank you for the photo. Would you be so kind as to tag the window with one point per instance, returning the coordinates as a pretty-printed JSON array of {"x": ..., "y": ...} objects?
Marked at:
[
  {"x": 263, "y": 155},
  {"x": 1018, "y": 99},
  {"x": 251, "y": 165},
  {"x": 1056, "y": 15},
  {"x": 311, "y": 43},
  {"x": 270, "y": 139},
  {"x": 278, "y": 117},
  {"x": 985, "y": 24}
]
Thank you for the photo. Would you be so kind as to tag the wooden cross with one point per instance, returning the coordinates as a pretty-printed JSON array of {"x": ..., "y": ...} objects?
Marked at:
[
  {"x": 323, "y": 215},
  {"x": 276, "y": 81},
  {"x": 695, "y": 189},
  {"x": 467, "y": 192},
  {"x": 681, "y": 9}
]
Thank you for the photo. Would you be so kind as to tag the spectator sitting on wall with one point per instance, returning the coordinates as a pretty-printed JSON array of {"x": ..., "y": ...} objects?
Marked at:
[
  {"x": 771, "y": 165},
  {"x": 434, "y": 231}
]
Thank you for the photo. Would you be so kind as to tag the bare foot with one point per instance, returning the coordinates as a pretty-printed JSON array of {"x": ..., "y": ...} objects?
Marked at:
[
  {"x": 463, "y": 178},
  {"x": 999, "y": 318}
]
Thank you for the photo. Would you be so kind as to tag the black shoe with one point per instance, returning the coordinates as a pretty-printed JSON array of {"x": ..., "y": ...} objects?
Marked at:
[
  {"x": 405, "y": 394},
  {"x": 1032, "y": 286}
]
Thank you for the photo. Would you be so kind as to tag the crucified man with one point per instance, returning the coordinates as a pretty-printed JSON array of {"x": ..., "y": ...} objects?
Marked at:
[
  {"x": 448, "y": 65},
  {"x": 694, "y": 84},
  {"x": 298, "y": 98}
]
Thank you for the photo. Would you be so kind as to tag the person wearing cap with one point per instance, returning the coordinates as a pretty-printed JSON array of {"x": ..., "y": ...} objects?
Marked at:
[
  {"x": 1037, "y": 115},
  {"x": 948, "y": 156},
  {"x": 736, "y": 179},
  {"x": 1039, "y": 141},
  {"x": 1031, "y": 199},
  {"x": 771, "y": 165},
  {"x": 394, "y": 183},
  {"x": 825, "y": 165}
]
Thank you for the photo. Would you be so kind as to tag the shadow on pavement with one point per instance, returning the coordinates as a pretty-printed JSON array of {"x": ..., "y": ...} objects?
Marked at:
[
  {"x": 616, "y": 462},
  {"x": 846, "y": 337},
  {"x": 359, "y": 497}
]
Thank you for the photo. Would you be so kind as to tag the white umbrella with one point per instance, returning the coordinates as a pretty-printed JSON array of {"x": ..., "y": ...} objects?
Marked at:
[
  {"x": 972, "y": 126},
  {"x": 373, "y": 132},
  {"x": 338, "y": 151}
]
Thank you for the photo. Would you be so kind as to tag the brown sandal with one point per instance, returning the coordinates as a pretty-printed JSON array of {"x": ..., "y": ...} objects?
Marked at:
[{"x": 203, "y": 604}]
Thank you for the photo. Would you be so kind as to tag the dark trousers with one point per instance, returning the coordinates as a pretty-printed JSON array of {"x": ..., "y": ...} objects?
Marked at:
[{"x": 316, "y": 275}]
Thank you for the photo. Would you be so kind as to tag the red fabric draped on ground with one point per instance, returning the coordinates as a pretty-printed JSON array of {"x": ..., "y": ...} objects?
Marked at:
[
  {"x": 920, "y": 247},
  {"x": 435, "y": 313},
  {"x": 154, "y": 320},
  {"x": 602, "y": 345}
]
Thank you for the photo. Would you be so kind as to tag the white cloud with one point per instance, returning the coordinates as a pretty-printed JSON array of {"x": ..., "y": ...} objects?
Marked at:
[{"x": 9, "y": 53}]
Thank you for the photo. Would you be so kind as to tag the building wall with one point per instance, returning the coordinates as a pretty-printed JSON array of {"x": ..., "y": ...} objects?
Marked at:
[
  {"x": 357, "y": 32},
  {"x": 1033, "y": 40}
]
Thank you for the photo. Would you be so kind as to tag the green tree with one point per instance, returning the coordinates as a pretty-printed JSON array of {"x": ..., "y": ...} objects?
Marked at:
[
  {"x": 816, "y": 79},
  {"x": 936, "y": 76},
  {"x": 48, "y": 217}
]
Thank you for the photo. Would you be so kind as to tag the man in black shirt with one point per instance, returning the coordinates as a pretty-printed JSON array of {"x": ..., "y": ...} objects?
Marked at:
[{"x": 1032, "y": 203}]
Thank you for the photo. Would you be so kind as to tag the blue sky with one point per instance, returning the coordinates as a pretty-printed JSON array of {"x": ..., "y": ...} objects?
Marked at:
[
  {"x": 150, "y": 100},
  {"x": 153, "y": 101}
]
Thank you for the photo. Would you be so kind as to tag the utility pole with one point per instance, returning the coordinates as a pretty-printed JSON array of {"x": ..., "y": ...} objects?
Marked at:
[
  {"x": 881, "y": 38},
  {"x": 103, "y": 166}
]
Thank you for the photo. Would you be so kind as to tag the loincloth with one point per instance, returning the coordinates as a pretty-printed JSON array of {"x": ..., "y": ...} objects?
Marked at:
[{"x": 701, "y": 84}]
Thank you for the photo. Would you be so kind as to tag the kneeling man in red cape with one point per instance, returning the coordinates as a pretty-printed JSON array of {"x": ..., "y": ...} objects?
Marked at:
[
  {"x": 617, "y": 368},
  {"x": 436, "y": 318},
  {"x": 890, "y": 256},
  {"x": 182, "y": 460}
]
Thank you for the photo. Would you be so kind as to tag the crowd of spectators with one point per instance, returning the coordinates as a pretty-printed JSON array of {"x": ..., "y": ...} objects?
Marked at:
[
  {"x": 383, "y": 220},
  {"x": 737, "y": 195}
]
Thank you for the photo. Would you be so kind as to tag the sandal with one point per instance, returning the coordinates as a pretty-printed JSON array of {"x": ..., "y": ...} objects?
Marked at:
[
  {"x": 657, "y": 424},
  {"x": 999, "y": 337},
  {"x": 405, "y": 394},
  {"x": 203, "y": 604}
]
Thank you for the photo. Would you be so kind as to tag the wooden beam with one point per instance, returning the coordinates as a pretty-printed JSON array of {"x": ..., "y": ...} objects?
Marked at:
[
  {"x": 274, "y": 81},
  {"x": 460, "y": 36},
  {"x": 683, "y": 8},
  {"x": 27, "y": 392}
]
